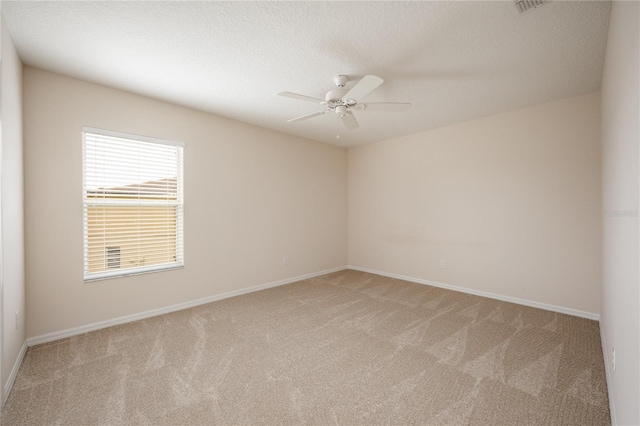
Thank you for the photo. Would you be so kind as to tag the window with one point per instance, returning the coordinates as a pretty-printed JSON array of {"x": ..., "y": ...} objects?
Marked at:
[{"x": 133, "y": 204}]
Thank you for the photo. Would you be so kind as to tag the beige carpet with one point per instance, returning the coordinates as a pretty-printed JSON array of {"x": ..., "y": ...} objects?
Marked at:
[{"x": 344, "y": 348}]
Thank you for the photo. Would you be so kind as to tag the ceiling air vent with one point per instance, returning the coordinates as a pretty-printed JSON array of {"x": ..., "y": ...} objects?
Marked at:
[{"x": 524, "y": 5}]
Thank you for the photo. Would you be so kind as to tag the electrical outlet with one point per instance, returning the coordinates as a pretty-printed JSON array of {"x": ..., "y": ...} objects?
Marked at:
[
  {"x": 613, "y": 359},
  {"x": 285, "y": 260},
  {"x": 443, "y": 264}
]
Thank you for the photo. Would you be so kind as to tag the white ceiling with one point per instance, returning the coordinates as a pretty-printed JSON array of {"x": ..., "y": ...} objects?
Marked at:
[{"x": 453, "y": 61}]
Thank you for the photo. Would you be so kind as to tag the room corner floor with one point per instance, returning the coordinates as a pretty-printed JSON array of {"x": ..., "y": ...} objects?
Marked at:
[{"x": 346, "y": 348}]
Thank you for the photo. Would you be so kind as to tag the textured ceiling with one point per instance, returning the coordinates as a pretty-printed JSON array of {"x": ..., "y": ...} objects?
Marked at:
[{"x": 453, "y": 61}]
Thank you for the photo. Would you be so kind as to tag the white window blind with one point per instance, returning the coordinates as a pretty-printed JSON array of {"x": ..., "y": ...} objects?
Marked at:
[{"x": 133, "y": 204}]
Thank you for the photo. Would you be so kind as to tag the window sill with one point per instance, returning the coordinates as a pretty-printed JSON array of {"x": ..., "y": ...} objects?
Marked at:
[{"x": 131, "y": 272}]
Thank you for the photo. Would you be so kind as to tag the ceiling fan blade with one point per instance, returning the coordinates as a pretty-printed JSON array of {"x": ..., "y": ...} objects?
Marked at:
[
  {"x": 301, "y": 97},
  {"x": 349, "y": 121},
  {"x": 383, "y": 106},
  {"x": 304, "y": 117},
  {"x": 362, "y": 88}
]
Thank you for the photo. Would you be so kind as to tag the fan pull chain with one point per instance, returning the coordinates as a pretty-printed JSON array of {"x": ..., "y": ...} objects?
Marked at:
[{"x": 338, "y": 128}]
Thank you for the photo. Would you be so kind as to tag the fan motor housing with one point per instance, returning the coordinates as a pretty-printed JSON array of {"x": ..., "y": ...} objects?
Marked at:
[{"x": 335, "y": 95}]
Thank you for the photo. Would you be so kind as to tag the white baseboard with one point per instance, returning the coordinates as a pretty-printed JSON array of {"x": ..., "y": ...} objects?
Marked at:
[
  {"x": 57, "y": 335},
  {"x": 547, "y": 307},
  {"x": 14, "y": 373},
  {"x": 607, "y": 371}
]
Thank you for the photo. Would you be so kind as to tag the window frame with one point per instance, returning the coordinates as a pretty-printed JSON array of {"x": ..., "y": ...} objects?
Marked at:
[{"x": 109, "y": 273}]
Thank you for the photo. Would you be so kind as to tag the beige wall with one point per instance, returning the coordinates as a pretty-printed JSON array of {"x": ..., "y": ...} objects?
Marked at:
[
  {"x": 620, "y": 181},
  {"x": 13, "y": 277},
  {"x": 252, "y": 196},
  {"x": 511, "y": 202}
]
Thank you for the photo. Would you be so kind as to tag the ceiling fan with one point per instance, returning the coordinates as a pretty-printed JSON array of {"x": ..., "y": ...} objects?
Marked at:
[{"x": 344, "y": 101}]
